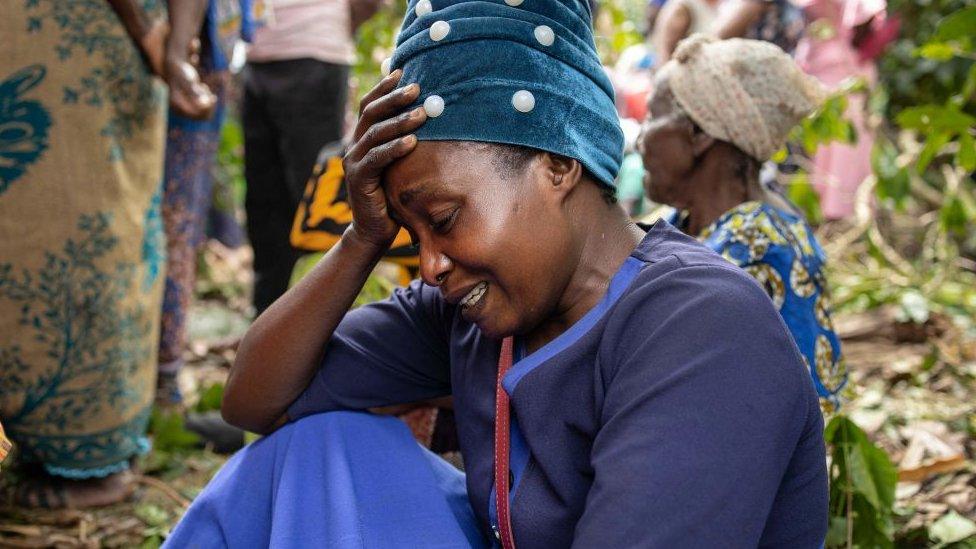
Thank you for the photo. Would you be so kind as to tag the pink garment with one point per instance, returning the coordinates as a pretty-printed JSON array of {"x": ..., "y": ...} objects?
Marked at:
[
  {"x": 827, "y": 53},
  {"x": 297, "y": 29}
]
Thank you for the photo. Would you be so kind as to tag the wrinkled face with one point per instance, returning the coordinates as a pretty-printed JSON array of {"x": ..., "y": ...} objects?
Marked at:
[
  {"x": 666, "y": 147},
  {"x": 498, "y": 244}
]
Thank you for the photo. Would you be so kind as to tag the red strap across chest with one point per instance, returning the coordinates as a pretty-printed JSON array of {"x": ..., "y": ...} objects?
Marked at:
[{"x": 502, "y": 444}]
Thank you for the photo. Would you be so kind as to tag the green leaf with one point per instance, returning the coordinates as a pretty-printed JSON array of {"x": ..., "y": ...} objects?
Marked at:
[
  {"x": 939, "y": 51},
  {"x": 894, "y": 182},
  {"x": 836, "y": 532},
  {"x": 951, "y": 528},
  {"x": 871, "y": 529},
  {"x": 933, "y": 146},
  {"x": 969, "y": 86},
  {"x": 945, "y": 118},
  {"x": 800, "y": 191},
  {"x": 958, "y": 25},
  {"x": 953, "y": 215},
  {"x": 151, "y": 542},
  {"x": 966, "y": 157},
  {"x": 883, "y": 473},
  {"x": 861, "y": 475},
  {"x": 169, "y": 433},
  {"x": 210, "y": 398},
  {"x": 152, "y": 515},
  {"x": 303, "y": 266},
  {"x": 376, "y": 288},
  {"x": 780, "y": 156}
]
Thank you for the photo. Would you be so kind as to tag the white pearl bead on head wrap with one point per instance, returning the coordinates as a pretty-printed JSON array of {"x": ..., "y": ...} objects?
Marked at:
[
  {"x": 434, "y": 106},
  {"x": 523, "y": 101},
  {"x": 439, "y": 30}
]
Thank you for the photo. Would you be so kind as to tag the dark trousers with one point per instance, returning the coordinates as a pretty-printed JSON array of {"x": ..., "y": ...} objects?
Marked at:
[{"x": 291, "y": 109}]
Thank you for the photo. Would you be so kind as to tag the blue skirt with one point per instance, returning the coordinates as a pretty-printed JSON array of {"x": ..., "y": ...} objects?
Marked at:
[{"x": 340, "y": 479}]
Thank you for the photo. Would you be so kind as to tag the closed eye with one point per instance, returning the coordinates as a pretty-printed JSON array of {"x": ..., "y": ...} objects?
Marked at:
[{"x": 443, "y": 223}]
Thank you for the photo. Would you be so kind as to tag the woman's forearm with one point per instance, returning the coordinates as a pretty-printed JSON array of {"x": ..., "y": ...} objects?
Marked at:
[
  {"x": 135, "y": 21},
  {"x": 676, "y": 24},
  {"x": 148, "y": 35},
  {"x": 740, "y": 18},
  {"x": 282, "y": 350},
  {"x": 185, "y": 21},
  {"x": 133, "y": 18},
  {"x": 280, "y": 353}
]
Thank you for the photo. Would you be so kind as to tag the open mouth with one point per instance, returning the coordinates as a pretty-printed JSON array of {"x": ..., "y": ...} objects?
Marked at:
[{"x": 474, "y": 296}]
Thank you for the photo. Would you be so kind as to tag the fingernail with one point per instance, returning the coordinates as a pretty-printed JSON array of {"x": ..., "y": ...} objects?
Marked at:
[
  {"x": 396, "y": 74},
  {"x": 418, "y": 112},
  {"x": 409, "y": 140},
  {"x": 411, "y": 89}
]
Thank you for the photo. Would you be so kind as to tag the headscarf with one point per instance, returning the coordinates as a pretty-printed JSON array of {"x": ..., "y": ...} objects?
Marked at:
[
  {"x": 747, "y": 92},
  {"x": 518, "y": 72}
]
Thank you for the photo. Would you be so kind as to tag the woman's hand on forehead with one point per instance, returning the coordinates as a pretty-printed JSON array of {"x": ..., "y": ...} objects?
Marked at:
[{"x": 383, "y": 135}]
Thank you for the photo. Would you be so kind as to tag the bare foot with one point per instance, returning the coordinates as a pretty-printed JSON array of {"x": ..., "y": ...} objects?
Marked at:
[{"x": 45, "y": 491}]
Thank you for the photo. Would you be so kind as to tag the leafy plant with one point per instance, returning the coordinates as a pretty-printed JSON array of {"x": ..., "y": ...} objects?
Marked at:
[
  {"x": 914, "y": 215},
  {"x": 905, "y": 249},
  {"x": 374, "y": 43},
  {"x": 862, "y": 488},
  {"x": 910, "y": 79},
  {"x": 827, "y": 125}
]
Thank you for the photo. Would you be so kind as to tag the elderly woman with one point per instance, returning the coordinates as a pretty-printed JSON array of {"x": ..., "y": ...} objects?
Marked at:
[
  {"x": 719, "y": 110},
  {"x": 613, "y": 386}
]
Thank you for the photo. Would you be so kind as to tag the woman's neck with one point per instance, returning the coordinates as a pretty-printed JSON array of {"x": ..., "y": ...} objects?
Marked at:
[
  {"x": 717, "y": 186},
  {"x": 606, "y": 246}
]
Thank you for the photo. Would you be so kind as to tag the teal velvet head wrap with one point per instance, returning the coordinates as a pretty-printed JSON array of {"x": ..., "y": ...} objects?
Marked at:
[{"x": 519, "y": 72}]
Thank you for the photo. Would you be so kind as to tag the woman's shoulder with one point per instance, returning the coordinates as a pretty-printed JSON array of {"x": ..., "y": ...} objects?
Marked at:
[
  {"x": 690, "y": 309},
  {"x": 679, "y": 269}
]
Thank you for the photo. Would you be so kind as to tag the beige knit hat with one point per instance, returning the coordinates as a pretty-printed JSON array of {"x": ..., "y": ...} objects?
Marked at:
[{"x": 747, "y": 92}]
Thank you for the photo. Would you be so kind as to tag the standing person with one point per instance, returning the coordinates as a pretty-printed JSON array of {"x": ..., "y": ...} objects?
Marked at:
[
  {"x": 191, "y": 148},
  {"x": 651, "y": 12},
  {"x": 831, "y": 53},
  {"x": 295, "y": 89},
  {"x": 680, "y": 19},
  {"x": 614, "y": 386},
  {"x": 81, "y": 240},
  {"x": 719, "y": 110},
  {"x": 776, "y": 21}
]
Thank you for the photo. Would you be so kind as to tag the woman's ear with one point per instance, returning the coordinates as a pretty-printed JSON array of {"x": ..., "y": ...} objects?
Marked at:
[
  {"x": 561, "y": 174},
  {"x": 701, "y": 142}
]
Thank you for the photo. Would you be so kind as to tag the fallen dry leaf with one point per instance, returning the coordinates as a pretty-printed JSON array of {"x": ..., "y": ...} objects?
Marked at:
[{"x": 933, "y": 467}]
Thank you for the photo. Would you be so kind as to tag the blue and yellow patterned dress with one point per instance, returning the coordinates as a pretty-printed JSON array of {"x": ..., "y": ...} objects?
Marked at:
[{"x": 780, "y": 251}]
